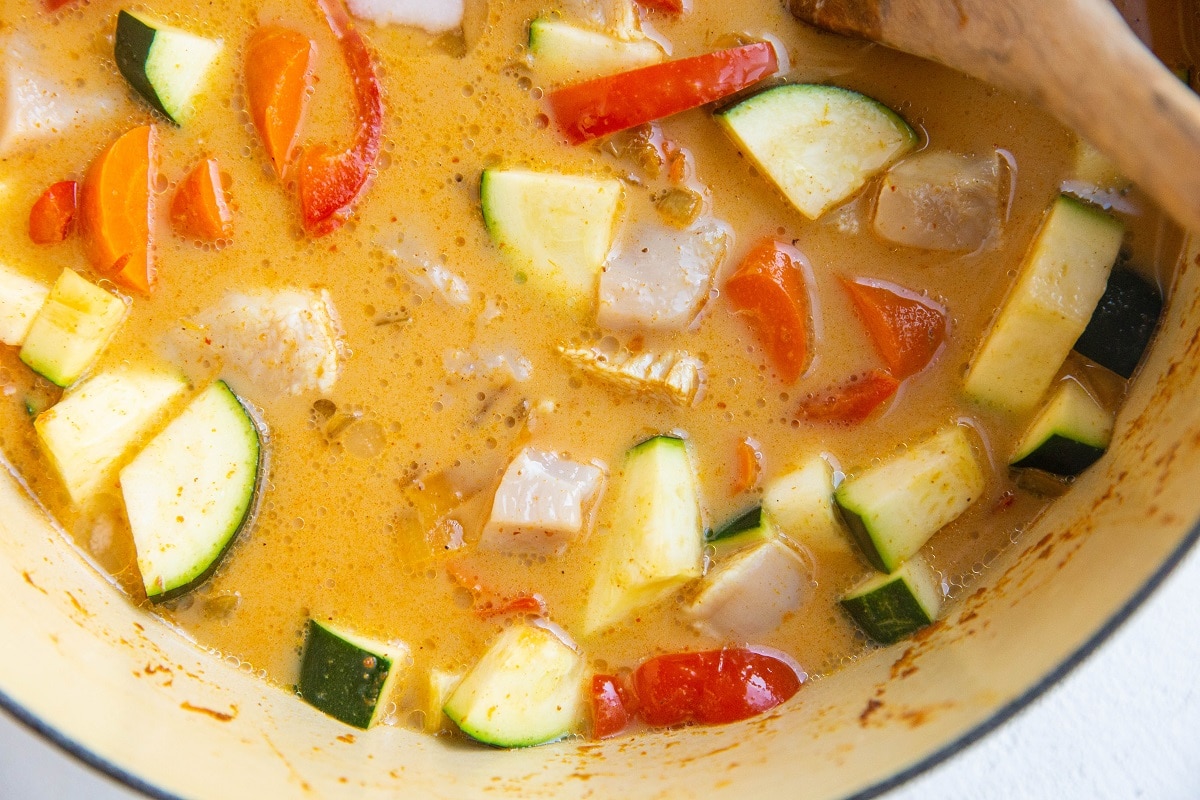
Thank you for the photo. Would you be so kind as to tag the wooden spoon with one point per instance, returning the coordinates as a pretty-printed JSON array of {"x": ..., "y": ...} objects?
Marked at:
[{"x": 1076, "y": 58}]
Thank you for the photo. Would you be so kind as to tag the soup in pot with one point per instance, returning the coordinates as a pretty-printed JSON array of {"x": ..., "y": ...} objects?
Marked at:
[{"x": 534, "y": 369}]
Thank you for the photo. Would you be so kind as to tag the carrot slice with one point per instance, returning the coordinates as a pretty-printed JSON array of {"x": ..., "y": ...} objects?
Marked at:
[
  {"x": 279, "y": 73},
  {"x": 907, "y": 329},
  {"x": 331, "y": 182},
  {"x": 768, "y": 289},
  {"x": 116, "y": 208},
  {"x": 749, "y": 467},
  {"x": 853, "y": 401},
  {"x": 53, "y": 214},
  {"x": 201, "y": 208}
]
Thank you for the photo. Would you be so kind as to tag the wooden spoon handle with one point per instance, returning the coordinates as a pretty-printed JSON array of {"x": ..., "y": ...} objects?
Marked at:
[{"x": 1077, "y": 58}]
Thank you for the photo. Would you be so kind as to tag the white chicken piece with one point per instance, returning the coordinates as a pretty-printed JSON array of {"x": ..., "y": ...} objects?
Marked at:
[
  {"x": 673, "y": 376},
  {"x": 432, "y": 16},
  {"x": 940, "y": 201},
  {"x": 542, "y": 503},
  {"x": 286, "y": 340},
  {"x": 662, "y": 279},
  {"x": 752, "y": 592},
  {"x": 36, "y": 106}
]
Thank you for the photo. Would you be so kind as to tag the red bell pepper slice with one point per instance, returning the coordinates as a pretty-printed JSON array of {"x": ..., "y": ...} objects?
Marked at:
[
  {"x": 611, "y": 706},
  {"x": 596, "y": 108},
  {"x": 853, "y": 401},
  {"x": 907, "y": 329},
  {"x": 713, "y": 686},
  {"x": 330, "y": 182},
  {"x": 486, "y": 602},
  {"x": 768, "y": 289},
  {"x": 53, "y": 214},
  {"x": 669, "y": 6},
  {"x": 55, "y": 5}
]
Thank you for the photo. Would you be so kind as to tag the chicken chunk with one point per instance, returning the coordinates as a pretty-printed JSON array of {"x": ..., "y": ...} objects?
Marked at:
[
  {"x": 940, "y": 201},
  {"x": 663, "y": 278},
  {"x": 436, "y": 17},
  {"x": 673, "y": 376},
  {"x": 286, "y": 340}
]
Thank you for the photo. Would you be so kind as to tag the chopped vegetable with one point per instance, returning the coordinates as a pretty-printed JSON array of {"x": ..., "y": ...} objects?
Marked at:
[
  {"x": 165, "y": 65},
  {"x": 330, "y": 183},
  {"x": 21, "y": 298},
  {"x": 1069, "y": 434},
  {"x": 891, "y": 607},
  {"x": 907, "y": 330},
  {"x": 542, "y": 503},
  {"x": 662, "y": 277},
  {"x": 191, "y": 491},
  {"x": 53, "y": 214},
  {"x": 800, "y": 503},
  {"x": 751, "y": 528},
  {"x": 1123, "y": 324},
  {"x": 819, "y": 144},
  {"x": 712, "y": 687},
  {"x": 596, "y": 108},
  {"x": 940, "y": 201},
  {"x": 99, "y": 423},
  {"x": 488, "y": 603},
  {"x": 286, "y": 340},
  {"x": 279, "y": 76},
  {"x": 526, "y": 690},
  {"x": 654, "y": 542},
  {"x": 673, "y": 376},
  {"x": 1060, "y": 283},
  {"x": 768, "y": 289},
  {"x": 610, "y": 706},
  {"x": 347, "y": 676},
  {"x": 562, "y": 52},
  {"x": 749, "y": 467},
  {"x": 441, "y": 684},
  {"x": 669, "y": 6},
  {"x": 201, "y": 208},
  {"x": 752, "y": 592},
  {"x": 853, "y": 401},
  {"x": 895, "y": 506},
  {"x": 116, "y": 208},
  {"x": 71, "y": 329},
  {"x": 556, "y": 230}
]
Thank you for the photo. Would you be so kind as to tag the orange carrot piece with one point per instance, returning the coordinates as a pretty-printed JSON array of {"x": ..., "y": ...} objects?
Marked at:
[
  {"x": 116, "y": 209},
  {"x": 279, "y": 73},
  {"x": 907, "y": 329},
  {"x": 749, "y": 467},
  {"x": 853, "y": 401},
  {"x": 200, "y": 208},
  {"x": 53, "y": 214},
  {"x": 768, "y": 289}
]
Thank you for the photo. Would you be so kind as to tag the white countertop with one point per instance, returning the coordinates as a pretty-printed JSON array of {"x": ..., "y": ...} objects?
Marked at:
[{"x": 1125, "y": 724}]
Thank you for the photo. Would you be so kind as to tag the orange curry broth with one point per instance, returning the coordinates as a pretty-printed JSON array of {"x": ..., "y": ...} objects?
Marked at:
[{"x": 337, "y": 534}]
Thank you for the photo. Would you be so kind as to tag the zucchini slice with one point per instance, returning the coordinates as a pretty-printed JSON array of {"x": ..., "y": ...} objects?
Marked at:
[
  {"x": 191, "y": 490},
  {"x": 655, "y": 541},
  {"x": 71, "y": 328},
  {"x": 1068, "y": 436},
  {"x": 1061, "y": 281},
  {"x": 20, "y": 300},
  {"x": 800, "y": 503},
  {"x": 346, "y": 675},
  {"x": 891, "y": 607},
  {"x": 752, "y": 527},
  {"x": 528, "y": 689},
  {"x": 751, "y": 593},
  {"x": 819, "y": 144},
  {"x": 556, "y": 230},
  {"x": 893, "y": 508},
  {"x": 94, "y": 428},
  {"x": 167, "y": 66},
  {"x": 1123, "y": 323},
  {"x": 562, "y": 52}
]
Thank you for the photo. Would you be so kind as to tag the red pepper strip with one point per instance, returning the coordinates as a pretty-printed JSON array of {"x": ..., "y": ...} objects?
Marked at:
[
  {"x": 669, "y": 6},
  {"x": 907, "y": 329},
  {"x": 55, "y": 5},
  {"x": 53, "y": 214},
  {"x": 853, "y": 401},
  {"x": 486, "y": 602},
  {"x": 712, "y": 687},
  {"x": 768, "y": 289},
  {"x": 330, "y": 183},
  {"x": 611, "y": 706},
  {"x": 602, "y": 106}
]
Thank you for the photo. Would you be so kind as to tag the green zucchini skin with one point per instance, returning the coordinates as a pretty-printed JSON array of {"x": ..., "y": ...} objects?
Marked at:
[
  {"x": 131, "y": 51},
  {"x": 1060, "y": 455},
  {"x": 340, "y": 678},
  {"x": 745, "y": 522},
  {"x": 1123, "y": 323},
  {"x": 889, "y": 613},
  {"x": 862, "y": 537}
]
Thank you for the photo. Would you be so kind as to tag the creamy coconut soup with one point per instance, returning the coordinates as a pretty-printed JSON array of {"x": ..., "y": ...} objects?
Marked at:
[{"x": 543, "y": 369}]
